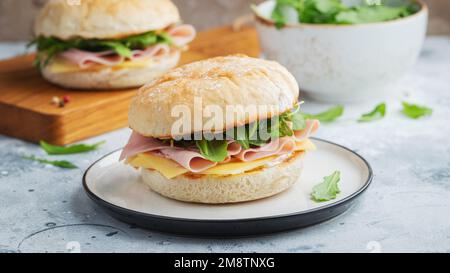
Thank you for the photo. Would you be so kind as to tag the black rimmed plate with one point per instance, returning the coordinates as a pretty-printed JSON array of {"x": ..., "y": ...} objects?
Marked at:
[{"x": 118, "y": 188}]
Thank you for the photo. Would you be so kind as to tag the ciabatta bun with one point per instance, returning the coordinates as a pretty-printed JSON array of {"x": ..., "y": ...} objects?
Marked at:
[
  {"x": 227, "y": 189},
  {"x": 104, "y": 19},
  {"x": 220, "y": 82},
  {"x": 112, "y": 77}
]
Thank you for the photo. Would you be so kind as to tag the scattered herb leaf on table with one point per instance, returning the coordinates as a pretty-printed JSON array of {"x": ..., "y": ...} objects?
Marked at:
[
  {"x": 72, "y": 149},
  {"x": 415, "y": 111},
  {"x": 328, "y": 115},
  {"x": 58, "y": 163},
  {"x": 377, "y": 113},
  {"x": 328, "y": 189}
]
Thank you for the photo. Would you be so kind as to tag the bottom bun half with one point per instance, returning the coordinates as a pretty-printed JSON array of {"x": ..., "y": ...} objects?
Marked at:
[
  {"x": 112, "y": 77},
  {"x": 227, "y": 189}
]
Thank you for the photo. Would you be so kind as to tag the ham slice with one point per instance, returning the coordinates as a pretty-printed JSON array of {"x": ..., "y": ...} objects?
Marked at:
[
  {"x": 312, "y": 125},
  {"x": 192, "y": 161},
  {"x": 157, "y": 51},
  {"x": 86, "y": 59},
  {"x": 140, "y": 144},
  {"x": 182, "y": 35},
  {"x": 278, "y": 146},
  {"x": 234, "y": 148}
]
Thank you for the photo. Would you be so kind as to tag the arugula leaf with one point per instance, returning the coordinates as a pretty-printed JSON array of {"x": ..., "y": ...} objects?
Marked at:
[
  {"x": 415, "y": 111},
  {"x": 258, "y": 142},
  {"x": 298, "y": 119},
  {"x": 247, "y": 135},
  {"x": 214, "y": 150},
  {"x": 73, "y": 149},
  {"x": 320, "y": 11},
  {"x": 58, "y": 163},
  {"x": 259, "y": 133},
  {"x": 370, "y": 14},
  {"x": 284, "y": 124},
  {"x": 335, "y": 12},
  {"x": 48, "y": 47},
  {"x": 278, "y": 17},
  {"x": 377, "y": 113},
  {"x": 254, "y": 134},
  {"x": 278, "y": 14},
  {"x": 328, "y": 115},
  {"x": 328, "y": 189},
  {"x": 279, "y": 126},
  {"x": 241, "y": 137},
  {"x": 117, "y": 47}
]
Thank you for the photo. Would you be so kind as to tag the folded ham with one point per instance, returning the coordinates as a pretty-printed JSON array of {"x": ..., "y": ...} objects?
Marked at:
[
  {"x": 181, "y": 35},
  {"x": 312, "y": 125},
  {"x": 192, "y": 160},
  {"x": 234, "y": 148},
  {"x": 279, "y": 146},
  {"x": 86, "y": 59},
  {"x": 157, "y": 51},
  {"x": 140, "y": 144}
]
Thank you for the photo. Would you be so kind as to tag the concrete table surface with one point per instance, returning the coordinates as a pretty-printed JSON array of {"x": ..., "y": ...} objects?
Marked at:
[{"x": 406, "y": 209}]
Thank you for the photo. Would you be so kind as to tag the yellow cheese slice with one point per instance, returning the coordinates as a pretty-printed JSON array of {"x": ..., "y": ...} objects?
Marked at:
[
  {"x": 171, "y": 169},
  {"x": 135, "y": 64},
  {"x": 166, "y": 167},
  {"x": 305, "y": 145},
  {"x": 238, "y": 167},
  {"x": 62, "y": 66}
]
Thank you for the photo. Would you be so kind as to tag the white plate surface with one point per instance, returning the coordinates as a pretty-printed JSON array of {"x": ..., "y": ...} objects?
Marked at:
[{"x": 121, "y": 185}]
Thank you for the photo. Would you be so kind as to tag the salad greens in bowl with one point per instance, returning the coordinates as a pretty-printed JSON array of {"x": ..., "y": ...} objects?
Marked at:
[
  {"x": 284, "y": 12},
  {"x": 343, "y": 50}
]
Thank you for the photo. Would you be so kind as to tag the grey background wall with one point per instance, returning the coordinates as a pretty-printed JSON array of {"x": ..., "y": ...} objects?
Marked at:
[{"x": 16, "y": 16}]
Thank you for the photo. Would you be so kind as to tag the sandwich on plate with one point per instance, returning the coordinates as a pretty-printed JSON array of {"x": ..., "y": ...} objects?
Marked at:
[
  {"x": 108, "y": 44},
  {"x": 245, "y": 156}
]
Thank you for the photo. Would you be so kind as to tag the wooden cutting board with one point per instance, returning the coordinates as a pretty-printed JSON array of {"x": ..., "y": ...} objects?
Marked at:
[{"x": 26, "y": 111}]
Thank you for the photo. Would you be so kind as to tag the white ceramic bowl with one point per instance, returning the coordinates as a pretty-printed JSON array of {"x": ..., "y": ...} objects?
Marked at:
[{"x": 345, "y": 63}]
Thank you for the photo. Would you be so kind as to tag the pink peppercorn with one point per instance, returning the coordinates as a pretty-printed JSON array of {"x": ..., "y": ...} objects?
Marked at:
[{"x": 66, "y": 99}]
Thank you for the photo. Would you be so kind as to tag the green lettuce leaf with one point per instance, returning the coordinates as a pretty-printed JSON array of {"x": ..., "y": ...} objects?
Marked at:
[
  {"x": 377, "y": 113},
  {"x": 328, "y": 189},
  {"x": 415, "y": 111}
]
